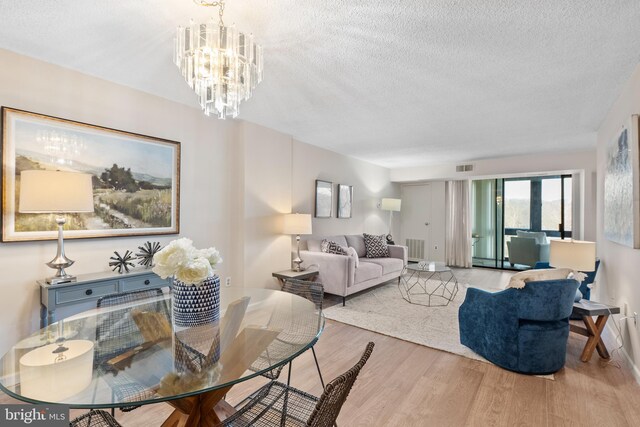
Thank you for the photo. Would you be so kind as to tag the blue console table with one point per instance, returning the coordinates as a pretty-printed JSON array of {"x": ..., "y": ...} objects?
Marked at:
[{"x": 90, "y": 287}]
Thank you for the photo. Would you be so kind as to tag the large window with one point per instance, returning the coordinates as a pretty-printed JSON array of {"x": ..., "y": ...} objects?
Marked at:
[
  {"x": 501, "y": 207},
  {"x": 556, "y": 204},
  {"x": 517, "y": 204},
  {"x": 538, "y": 204},
  {"x": 551, "y": 203}
]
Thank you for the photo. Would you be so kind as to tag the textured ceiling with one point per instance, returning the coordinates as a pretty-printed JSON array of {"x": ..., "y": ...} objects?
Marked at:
[{"x": 398, "y": 83}]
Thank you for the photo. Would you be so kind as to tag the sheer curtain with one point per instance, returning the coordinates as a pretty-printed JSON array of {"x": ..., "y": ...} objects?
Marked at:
[{"x": 458, "y": 224}]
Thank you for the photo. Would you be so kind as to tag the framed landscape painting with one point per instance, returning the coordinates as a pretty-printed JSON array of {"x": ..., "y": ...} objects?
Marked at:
[
  {"x": 136, "y": 178},
  {"x": 622, "y": 187},
  {"x": 345, "y": 200}
]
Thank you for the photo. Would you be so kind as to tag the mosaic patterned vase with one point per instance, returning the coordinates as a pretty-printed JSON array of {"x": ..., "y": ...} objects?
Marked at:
[{"x": 195, "y": 305}]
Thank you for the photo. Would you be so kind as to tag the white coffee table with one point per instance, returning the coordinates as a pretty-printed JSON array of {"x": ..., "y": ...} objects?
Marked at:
[{"x": 432, "y": 284}]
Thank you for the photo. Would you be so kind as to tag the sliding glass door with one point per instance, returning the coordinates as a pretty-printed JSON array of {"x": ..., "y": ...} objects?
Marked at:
[
  {"x": 502, "y": 207},
  {"x": 487, "y": 222}
]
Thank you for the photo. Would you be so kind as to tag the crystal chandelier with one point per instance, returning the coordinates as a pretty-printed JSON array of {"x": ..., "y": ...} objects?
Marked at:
[{"x": 221, "y": 64}]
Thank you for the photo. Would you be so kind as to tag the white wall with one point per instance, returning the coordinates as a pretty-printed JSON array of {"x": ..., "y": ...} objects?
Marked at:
[
  {"x": 205, "y": 179},
  {"x": 237, "y": 179},
  {"x": 267, "y": 196},
  {"x": 279, "y": 175},
  {"x": 619, "y": 276},
  {"x": 370, "y": 184},
  {"x": 581, "y": 163}
]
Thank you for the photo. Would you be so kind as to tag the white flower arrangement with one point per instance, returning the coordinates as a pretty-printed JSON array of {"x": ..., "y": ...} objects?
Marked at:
[{"x": 184, "y": 262}]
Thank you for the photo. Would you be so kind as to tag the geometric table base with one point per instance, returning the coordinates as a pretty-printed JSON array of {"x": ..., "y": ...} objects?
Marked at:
[{"x": 428, "y": 288}]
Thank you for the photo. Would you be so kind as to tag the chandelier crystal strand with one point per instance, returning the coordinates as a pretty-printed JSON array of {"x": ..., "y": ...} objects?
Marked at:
[{"x": 221, "y": 64}]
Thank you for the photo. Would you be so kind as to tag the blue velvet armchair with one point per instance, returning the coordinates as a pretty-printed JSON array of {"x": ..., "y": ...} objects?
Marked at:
[{"x": 522, "y": 330}]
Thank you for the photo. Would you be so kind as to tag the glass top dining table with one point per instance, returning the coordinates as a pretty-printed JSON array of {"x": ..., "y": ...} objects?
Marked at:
[{"x": 131, "y": 354}]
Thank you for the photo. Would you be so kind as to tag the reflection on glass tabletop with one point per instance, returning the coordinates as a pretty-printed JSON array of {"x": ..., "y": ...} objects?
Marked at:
[
  {"x": 435, "y": 266},
  {"x": 129, "y": 353}
]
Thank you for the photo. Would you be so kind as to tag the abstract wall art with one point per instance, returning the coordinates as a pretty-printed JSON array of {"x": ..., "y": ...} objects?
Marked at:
[
  {"x": 324, "y": 199},
  {"x": 622, "y": 187}
]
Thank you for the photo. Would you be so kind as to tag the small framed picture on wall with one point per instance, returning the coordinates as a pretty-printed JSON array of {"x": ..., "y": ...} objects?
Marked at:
[
  {"x": 345, "y": 200},
  {"x": 324, "y": 199}
]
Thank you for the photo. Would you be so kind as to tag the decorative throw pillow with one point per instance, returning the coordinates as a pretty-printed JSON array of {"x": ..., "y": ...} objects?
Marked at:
[
  {"x": 376, "y": 246},
  {"x": 331, "y": 247},
  {"x": 518, "y": 280},
  {"x": 354, "y": 254}
]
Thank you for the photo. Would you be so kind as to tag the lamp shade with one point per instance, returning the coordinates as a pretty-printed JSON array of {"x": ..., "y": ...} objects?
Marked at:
[
  {"x": 42, "y": 378},
  {"x": 297, "y": 224},
  {"x": 391, "y": 205},
  {"x": 55, "y": 191},
  {"x": 575, "y": 254}
]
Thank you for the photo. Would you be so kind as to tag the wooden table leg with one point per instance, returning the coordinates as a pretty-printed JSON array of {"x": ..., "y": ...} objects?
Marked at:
[
  {"x": 201, "y": 410},
  {"x": 174, "y": 420},
  {"x": 595, "y": 339}
]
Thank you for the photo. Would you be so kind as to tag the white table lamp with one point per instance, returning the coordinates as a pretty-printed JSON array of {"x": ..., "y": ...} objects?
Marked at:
[
  {"x": 391, "y": 205},
  {"x": 297, "y": 224},
  {"x": 43, "y": 191},
  {"x": 577, "y": 255}
]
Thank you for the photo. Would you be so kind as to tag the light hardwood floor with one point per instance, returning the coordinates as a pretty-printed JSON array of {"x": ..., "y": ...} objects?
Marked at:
[{"x": 406, "y": 384}]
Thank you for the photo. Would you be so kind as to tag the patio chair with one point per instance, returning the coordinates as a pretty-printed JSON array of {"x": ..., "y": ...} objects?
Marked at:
[
  {"x": 277, "y": 404},
  {"x": 95, "y": 418}
]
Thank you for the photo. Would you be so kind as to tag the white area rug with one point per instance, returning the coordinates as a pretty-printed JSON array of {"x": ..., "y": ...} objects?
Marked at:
[{"x": 383, "y": 310}]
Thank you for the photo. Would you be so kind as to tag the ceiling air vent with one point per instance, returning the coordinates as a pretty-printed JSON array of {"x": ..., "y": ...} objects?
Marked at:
[{"x": 464, "y": 168}]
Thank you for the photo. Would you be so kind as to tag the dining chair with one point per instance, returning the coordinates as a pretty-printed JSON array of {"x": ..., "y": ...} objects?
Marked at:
[
  {"x": 117, "y": 332},
  {"x": 293, "y": 334},
  {"x": 277, "y": 404},
  {"x": 95, "y": 418}
]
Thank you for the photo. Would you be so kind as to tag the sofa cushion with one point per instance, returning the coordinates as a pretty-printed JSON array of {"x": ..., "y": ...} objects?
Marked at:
[
  {"x": 376, "y": 246},
  {"x": 356, "y": 241},
  {"x": 389, "y": 265},
  {"x": 331, "y": 247},
  {"x": 314, "y": 244},
  {"x": 367, "y": 271},
  {"x": 353, "y": 254},
  {"x": 540, "y": 236}
]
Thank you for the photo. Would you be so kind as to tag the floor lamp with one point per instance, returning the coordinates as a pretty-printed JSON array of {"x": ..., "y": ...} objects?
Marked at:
[
  {"x": 297, "y": 224},
  {"x": 391, "y": 205},
  {"x": 44, "y": 191}
]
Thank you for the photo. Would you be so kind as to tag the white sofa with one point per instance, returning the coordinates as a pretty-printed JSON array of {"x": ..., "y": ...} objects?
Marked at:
[{"x": 338, "y": 273}]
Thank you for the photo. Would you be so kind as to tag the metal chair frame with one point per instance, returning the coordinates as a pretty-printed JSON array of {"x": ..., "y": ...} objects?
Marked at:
[
  {"x": 105, "y": 350},
  {"x": 95, "y": 418},
  {"x": 312, "y": 291},
  {"x": 277, "y": 404}
]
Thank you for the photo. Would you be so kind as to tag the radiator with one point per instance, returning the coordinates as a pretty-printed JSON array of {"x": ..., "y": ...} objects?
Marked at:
[{"x": 416, "y": 249}]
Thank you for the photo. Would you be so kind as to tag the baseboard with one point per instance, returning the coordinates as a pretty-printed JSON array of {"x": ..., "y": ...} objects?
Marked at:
[{"x": 634, "y": 369}]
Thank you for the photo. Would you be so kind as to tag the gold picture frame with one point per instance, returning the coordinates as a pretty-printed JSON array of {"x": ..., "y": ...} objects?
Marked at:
[{"x": 136, "y": 178}]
